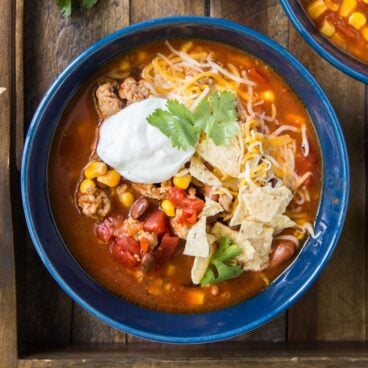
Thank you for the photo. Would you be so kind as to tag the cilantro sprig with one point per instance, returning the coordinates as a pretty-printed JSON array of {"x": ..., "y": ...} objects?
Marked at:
[
  {"x": 66, "y": 5},
  {"x": 215, "y": 116},
  {"x": 222, "y": 264},
  {"x": 177, "y": 124}
]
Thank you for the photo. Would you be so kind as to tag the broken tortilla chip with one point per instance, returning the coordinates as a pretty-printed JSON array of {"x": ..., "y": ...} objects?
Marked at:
[
  {"x": 264, "y": 203},
  {"x": 197, "y": 242},
  {"x": 199, "y": 171},
  {"x": 211, "y": 208},
  {"x": 226, "y": 158},
  {"x": 200, "y": 264},
  {"x": 260, "y": 237}
]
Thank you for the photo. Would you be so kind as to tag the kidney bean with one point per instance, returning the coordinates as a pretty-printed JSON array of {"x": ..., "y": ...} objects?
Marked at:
[
  {"x": 139, "y": 208},
  {"x": 147, "y": 262},
  {"x": 281, "y": 253}
]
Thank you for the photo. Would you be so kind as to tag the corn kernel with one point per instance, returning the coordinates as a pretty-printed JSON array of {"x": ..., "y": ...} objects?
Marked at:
[
  {"x": 170, "y": 270},
  {"x": 332, "y": 5},
  {"x": 127, "y": 199},
  {"x": 268, "y": 96},
  {"x": 357, "y": 20},
  {"x": 182, "y": 182},
  {"x": 316, "y": 9},
  {"x": 87, "y": 186},
  {"x": 168, "y": 208},
  {"x": 365, "y": 32},
  {"x": 328, "y": 29},
  {"x": 186, "y": 46},
  {"x": 339, "y": 40},
  {"x": 94, "y": 169},
  {"x": 195, "y": 297},
  {"x": 296, "y": 119},
  {"x": 347, "y": 7},
  {"x": 142, "y": 55},
  {"x": 124, "y": 65},
  {"x": 111, "y": 178}
]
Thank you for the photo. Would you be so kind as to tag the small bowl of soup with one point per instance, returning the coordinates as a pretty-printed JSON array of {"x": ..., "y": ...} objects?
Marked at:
[
  {"x": 336, "y": 29},
  {"x": 185, "y": 180}
]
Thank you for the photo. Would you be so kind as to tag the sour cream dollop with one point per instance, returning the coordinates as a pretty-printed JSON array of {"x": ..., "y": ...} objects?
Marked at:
[{"x": 136, "y": 149}]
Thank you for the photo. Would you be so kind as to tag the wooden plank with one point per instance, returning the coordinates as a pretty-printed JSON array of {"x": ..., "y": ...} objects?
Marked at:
[
  {"x": 85, "y": 328},
  {"x": 48, "y": 316},
  {"x": 8, "y": 342},
  {"x": 254, "y": 363},
  {"x": 141, "y": 9},
  {"x": 335, "y": 307},
  {"x": 267, "y": 17},
  {"x": 230, "y": 355}
]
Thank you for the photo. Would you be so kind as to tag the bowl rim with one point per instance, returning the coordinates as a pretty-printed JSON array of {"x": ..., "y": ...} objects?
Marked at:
[
  {"x": 321, "y": 50},
  {"x": 199, "y": 20}
]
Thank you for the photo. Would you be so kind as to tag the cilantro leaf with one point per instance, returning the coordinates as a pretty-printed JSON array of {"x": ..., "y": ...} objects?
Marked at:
[
  {"x": 65, "y": 7},
  {"x": 222, "y": 266},
  {"x": 216, "y": 116},
  {"x": 176, "y": 123},
  {"x": 89, "y": 3}
]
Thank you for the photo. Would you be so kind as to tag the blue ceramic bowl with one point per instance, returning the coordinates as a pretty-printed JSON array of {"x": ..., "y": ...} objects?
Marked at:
[
  {"x": 337, "y": 57},
  {"x": 191, "y": 328}
]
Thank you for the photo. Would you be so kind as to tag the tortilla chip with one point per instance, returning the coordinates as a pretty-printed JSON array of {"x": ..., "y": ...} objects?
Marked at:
[
  {"x": 200, "y": 172},
  {"x": 200, "y": 265},
  {"x": 281, "y": 222},
  {"x": 197, "y": 242},
  {"x": 211, "y": 208},
  {"x": 264, "y": 203},
  {"x": 260, "y": 238},
  {"x": 240, "y": 212},
  {"x": 251, "y": 230},
  {"x": 226, "y": 158},
  {"x": 222, "y": 231}
]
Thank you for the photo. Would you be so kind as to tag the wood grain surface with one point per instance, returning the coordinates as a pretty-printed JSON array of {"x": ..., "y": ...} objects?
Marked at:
[
  {"x": 335, "y": 307},
  {"x": 8, "y": 329},
  {"x": 37, "y": 40}
]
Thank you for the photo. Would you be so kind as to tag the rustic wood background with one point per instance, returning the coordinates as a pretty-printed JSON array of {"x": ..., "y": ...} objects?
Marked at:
[{"x": 41, "y": 327}]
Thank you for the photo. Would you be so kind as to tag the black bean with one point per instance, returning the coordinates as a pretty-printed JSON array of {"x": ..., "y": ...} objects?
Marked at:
[
  {"x": 147, "y": 262},
  {"x": 139, "y": 208}
]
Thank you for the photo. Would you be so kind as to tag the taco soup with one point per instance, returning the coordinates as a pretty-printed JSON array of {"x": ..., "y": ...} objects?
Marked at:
[{"x": 185, "y": 176}]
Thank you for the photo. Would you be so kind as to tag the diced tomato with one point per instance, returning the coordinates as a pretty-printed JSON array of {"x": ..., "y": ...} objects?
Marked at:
[
  {"x": 191, "y": 206},
  {"x": 156, "y": 223},
  {"x": 125, "y": 250},
  {"x": 194, "y": 204},
  {"x": 165, "y": 250},
  {"x": 128, "y": 244},
  {"x": 145, "y": 245},
  {"x": 106, "y": 229},
  {"x": 124, "y": 256},
  {"x": 176, "y": 196},
  {"x": 188, "y": 216},
  {"x": 256, "y": 76}
]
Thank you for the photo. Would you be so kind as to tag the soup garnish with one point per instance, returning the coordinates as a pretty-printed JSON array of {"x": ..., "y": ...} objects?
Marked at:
[
  {"x": 192, "y": 176},
  {"x": 344, "y": 22}
]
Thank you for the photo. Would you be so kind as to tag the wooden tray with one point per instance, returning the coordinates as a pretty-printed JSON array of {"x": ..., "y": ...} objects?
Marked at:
[{"x": 41, "y": 327}]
